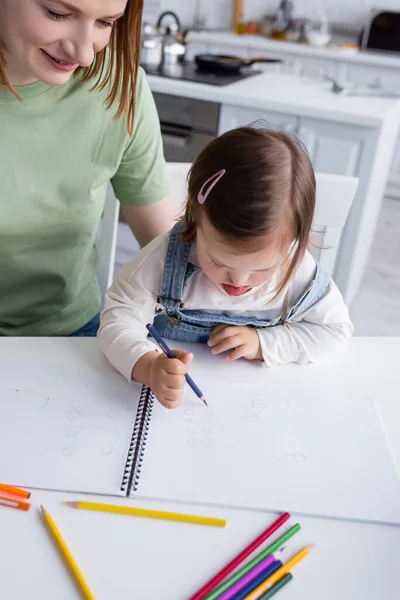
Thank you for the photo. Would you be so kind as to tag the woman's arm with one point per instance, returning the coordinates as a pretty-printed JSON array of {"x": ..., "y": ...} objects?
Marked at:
[
  {"x": 150, "y": 220},
  {"x": 140, "y": 183}
]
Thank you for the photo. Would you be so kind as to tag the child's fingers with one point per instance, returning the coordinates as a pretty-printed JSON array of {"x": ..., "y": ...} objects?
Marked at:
[
  {"x": 175, "y": 382},
  {"x": 170, "y": 404},
  {"x": 239, "y": 352},
  {"x": 174, "y": 366},
  {"x": 185, "y": 357},
  {"x": 226, "y": 344},
  {"x": 219, "y": 327},
  {"x": 169, "y": 397},
  {"x": 221, "y": 334}
]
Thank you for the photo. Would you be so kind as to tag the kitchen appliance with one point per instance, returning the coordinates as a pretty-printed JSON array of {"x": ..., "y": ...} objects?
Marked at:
[
  {"x": 187, "y": 125},
  {"x": 174, "y": 41},
  {"x": 189, "y": 72},
  {"x": 382, "y": 32},
  {"x": 218, "y": 63},
  {"x": 152, "y": 46}
]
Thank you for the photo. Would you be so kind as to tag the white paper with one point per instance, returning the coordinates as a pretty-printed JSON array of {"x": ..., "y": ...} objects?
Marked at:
[
  {"x": 319, "y": 453},
  {"x": 284, "y": 444},
  {"x": 64, "y": 429}
]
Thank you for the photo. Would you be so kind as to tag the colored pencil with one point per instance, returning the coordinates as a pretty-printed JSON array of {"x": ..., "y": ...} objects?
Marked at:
[
  {"x": 14, "y": 502},
  {"x": 278, "y": 586},
  {"x": 154, "y": 333},
  {"x": 252, "y": 563},
  {"x": 14, "y": 491},
  {"x": 210, "y": 585},
  {"x": 150, "y": 514},
  {"x": 275, "y": 577},
  {"x": 69, "y": 559},
  {"x": 259, "y": 579},
  {"x": 251, "y": 575}
]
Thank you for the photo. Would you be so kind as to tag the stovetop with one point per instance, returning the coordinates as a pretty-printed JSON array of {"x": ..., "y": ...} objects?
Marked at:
[{"x": 189, "y": 72}]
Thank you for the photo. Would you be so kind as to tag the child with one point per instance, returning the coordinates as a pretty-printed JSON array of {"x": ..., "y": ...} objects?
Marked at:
[{"x": 234, "y": 272}]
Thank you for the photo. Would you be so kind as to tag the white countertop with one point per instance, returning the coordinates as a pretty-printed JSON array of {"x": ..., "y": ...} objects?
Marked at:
[
  {"x": 287, "y": 94},
  {"x": 259, "y": 42}
]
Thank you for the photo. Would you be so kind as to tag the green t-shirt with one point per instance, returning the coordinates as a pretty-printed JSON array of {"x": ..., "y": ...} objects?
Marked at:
[{"x": 59, "y": 148}]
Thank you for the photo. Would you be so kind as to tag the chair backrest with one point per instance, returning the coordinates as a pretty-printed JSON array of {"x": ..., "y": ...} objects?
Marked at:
[
  {"x": 107, "y": 242},
  {"x": 335, "y": 194}
]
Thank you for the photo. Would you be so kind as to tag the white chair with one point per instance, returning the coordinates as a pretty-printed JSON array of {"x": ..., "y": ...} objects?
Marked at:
[
  {"x": 335, "y": 194},
  {"x": 107, "y": 242}
]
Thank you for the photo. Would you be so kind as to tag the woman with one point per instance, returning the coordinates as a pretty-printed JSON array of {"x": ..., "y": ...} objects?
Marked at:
[{"x": 75, "y": 113}]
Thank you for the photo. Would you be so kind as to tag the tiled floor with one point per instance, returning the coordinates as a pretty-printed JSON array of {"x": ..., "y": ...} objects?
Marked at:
[{"x": 376, "y": 310}]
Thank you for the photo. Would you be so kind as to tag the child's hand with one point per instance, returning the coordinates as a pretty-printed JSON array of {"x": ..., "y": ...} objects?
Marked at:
[
  {"x": 244, "y": 340},
  {"x": 167, "y": 377}
]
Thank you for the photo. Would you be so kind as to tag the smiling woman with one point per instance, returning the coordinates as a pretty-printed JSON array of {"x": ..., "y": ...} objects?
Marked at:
[
  {"x": 75, "y": 113},
  {"x": 47, "y": 40}
]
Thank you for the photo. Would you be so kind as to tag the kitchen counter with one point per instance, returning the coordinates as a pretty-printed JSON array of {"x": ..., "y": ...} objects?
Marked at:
[
  {"x": 379, "y": 59},
  {"x": 288, "y": 94},
  {"x": 344, "y": 135}
]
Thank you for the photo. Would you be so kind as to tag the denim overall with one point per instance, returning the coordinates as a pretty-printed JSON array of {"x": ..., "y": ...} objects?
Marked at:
[{"x": 178, "y": 323}]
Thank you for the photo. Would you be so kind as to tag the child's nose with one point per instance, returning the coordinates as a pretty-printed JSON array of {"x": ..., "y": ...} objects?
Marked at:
[{"x": 238, "y": 279}]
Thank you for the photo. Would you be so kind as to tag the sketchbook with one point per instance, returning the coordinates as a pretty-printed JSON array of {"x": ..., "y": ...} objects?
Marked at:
[{"x": 266, "y": 441}]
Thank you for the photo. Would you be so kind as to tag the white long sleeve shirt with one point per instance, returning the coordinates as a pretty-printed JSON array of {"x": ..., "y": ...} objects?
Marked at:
[{"x": 131, "y": 303}]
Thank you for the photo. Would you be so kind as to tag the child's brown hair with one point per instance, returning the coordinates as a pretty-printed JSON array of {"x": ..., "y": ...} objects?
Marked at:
[{"x": 268, "y": 189}]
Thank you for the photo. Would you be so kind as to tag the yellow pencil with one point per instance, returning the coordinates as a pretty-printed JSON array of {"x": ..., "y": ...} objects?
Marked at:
[
  {"x": 275, "y": 577},
  {"x": 62, "y": 546},
  {"x": 150, "y": 514}
]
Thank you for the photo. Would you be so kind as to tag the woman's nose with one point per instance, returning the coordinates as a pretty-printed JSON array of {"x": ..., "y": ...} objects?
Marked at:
[{"x": 80, "y": 49}]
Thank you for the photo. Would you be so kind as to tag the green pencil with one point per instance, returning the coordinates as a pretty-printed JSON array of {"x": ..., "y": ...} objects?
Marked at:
[
  {"x": 275, "y": 588},
  {"x": 257, "y": 559}
]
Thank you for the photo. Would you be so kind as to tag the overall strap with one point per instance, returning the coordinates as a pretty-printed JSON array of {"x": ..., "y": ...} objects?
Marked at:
[{"x": 175, "y": 276}]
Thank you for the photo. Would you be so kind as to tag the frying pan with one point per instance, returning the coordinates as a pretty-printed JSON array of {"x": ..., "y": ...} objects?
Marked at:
[{"x": 219, "y": 63}]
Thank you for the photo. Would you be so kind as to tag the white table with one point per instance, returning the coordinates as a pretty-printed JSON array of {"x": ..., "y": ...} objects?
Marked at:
[{"x": 124, "y": 557}]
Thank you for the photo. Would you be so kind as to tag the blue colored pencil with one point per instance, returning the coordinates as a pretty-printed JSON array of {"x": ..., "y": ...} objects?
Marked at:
[
  {"x": 154, "y": 333},
  {"x": 259, "y": 579}
]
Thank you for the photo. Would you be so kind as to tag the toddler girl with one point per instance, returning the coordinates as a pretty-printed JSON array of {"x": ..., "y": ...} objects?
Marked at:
[{"x": 234, "y": 272}]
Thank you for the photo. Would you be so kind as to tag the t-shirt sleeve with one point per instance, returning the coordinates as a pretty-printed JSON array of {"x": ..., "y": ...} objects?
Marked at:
[{"x": 141, "y": 177}]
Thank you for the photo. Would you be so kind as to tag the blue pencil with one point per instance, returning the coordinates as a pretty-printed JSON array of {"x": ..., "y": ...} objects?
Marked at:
[
  {"x": 259, "y": 579},
  {"x": 154, "y": 333}
]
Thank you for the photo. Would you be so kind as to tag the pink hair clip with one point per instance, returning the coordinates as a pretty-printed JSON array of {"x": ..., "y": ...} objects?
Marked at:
[{"x": 203, "y": 195}]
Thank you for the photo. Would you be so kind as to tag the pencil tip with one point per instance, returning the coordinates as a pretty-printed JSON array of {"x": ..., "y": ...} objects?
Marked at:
[
  {"x": 310, "y": 547},
  {"x": 204, "y": 400},
  {"x": 71, "y": 503},
  {"x": 43, "y": 509}
]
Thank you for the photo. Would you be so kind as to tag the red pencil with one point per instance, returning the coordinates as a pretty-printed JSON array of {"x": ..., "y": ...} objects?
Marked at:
[{"x": 208, "y": 587}]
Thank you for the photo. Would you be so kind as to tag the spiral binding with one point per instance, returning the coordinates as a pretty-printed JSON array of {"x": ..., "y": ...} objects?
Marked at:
[{"x": 137, "y": 446}]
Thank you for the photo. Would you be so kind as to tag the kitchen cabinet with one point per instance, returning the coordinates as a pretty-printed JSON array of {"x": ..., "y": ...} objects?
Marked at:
[
  {"x": 237, "y": 116},
  {"x": 333, "y": 148},
  {"x": 332, "y": 64}
]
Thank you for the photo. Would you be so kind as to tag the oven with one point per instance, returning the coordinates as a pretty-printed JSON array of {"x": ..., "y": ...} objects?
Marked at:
[{"x": 187, "y": 125}]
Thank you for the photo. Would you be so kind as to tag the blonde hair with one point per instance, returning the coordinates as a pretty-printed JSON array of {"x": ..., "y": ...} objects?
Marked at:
[{"x": 119, "y": 66}]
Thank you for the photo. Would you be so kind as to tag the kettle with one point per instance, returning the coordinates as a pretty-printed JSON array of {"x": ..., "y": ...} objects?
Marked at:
[
  {"x": 174, "y": 40},
  {"x": 152, "y": 46}
]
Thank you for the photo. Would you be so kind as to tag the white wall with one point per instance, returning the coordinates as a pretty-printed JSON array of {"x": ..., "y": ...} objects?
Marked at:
[{"x": 218, "y": 12}]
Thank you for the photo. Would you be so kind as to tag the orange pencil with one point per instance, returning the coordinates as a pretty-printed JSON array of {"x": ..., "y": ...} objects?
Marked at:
[
  {"x": 14, "y": 502},
  {"x": 275, "y": 577},
  {"x": 14, "y": 491}
]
